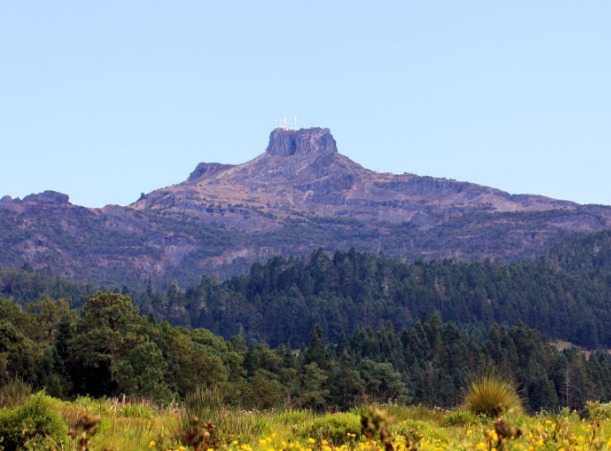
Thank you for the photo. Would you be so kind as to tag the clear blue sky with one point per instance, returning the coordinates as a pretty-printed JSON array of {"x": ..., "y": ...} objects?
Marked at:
[{"x": 105, "y": 100}]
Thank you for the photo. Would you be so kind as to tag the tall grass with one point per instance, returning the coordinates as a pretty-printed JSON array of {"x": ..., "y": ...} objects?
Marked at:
[
  {"x": 491, "y": 394},
  {"x": 14, "y": 393},
  {"x": 129, "y": 425},
  {"x": 207, "y": 404}
]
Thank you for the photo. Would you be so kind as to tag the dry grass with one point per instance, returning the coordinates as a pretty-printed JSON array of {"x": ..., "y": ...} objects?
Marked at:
[{"x": 491, "y": 394}]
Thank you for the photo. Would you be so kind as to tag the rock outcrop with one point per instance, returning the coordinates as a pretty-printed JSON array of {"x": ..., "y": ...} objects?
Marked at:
[
  {"x": 207, "y": 170},
  {"x": 286, "y": 142},
  {"x": 48, "y": 197}
]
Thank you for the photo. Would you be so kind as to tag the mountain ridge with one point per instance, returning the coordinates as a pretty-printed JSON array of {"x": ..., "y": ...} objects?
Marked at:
[
  {"x": 316, "y": 179},
  {"x": 298, "y": 195}
]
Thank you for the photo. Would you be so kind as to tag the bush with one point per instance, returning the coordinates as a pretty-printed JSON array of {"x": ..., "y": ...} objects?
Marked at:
[
  {"x": 333, "y": 427},
  {"x": 136, "y": 411},
  {"x": 491, "y": 394},
  {"x": 598, "y": 411},
  {"x": 461, "y": 418},
  {"x": 32, "y": 424}
]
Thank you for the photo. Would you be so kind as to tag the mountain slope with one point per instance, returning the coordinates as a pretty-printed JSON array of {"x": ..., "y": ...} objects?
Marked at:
[
  {"x": 300, "y": 194},
  {"x": 302, "y": 173}
]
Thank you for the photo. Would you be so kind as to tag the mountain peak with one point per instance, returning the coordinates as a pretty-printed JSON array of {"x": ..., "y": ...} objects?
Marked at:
[
  {"x": 285, "y": 142},
  {"x": 48, "y": 197}
]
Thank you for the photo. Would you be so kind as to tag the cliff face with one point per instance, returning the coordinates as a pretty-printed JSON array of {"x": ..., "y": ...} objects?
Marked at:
[
  {"x": 299, "y": 195},
  {"x": 285, "y": 142}
]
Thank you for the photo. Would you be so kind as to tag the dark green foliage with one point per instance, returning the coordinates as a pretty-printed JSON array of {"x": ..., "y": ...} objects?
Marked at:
[
  {"x": 107, "y": 349},
  {"x": 589, "y": 253},
  {"x": 106, "y": 333},
  {"x": 281, "y": 301}
]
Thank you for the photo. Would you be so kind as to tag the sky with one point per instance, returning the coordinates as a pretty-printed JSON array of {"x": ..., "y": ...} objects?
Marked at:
[{"x": 106, "y": 100}]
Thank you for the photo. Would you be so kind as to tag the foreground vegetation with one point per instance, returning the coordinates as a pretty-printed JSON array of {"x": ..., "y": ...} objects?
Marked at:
[
  {"x": 40, "y": 422},
  {"x": 380, "y": 335},
  {"x": 106, "y": 349}
]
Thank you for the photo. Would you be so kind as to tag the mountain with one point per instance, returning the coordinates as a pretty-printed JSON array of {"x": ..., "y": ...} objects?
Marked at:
[{"x": 297, "y": 196}]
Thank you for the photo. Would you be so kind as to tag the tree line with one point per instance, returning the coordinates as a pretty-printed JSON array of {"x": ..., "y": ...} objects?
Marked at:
[{"x": 107, "y": 348}]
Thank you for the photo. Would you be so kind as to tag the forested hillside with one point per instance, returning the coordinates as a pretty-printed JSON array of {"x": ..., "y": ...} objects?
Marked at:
[
  {"x": 566, "y": 296},
  {"x": 107, "y": 349},
  {"x": 325, "y": 332}
]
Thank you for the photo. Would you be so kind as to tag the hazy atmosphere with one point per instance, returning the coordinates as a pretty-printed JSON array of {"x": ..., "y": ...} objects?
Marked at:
[{"x": 105, "y": 100}]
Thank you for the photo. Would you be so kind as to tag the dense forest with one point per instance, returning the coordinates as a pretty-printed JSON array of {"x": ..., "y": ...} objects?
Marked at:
[
  {"x": 107, "y": 348},
  {"x": 565, "y": 295},
  {"x": 281, "y": 301},
  {"x": 328, "y": 332}
]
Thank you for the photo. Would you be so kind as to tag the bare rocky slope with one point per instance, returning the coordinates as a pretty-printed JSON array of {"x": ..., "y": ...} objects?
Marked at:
[{"x": 299, "y": 195}]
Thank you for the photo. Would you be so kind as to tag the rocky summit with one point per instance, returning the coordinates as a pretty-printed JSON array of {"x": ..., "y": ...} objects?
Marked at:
[
  {"x": 285, "y": 142},
  {"x": 298, "y": 195},
  {"x": 302, "y": 174}
]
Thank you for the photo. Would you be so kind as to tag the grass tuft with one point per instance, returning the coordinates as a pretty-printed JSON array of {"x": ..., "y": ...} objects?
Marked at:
[
  {"x": 14, "y": 393},
  {"x": 491, "y": 394}
]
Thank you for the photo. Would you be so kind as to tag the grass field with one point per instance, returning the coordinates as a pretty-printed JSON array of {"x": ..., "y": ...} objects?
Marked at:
[{"x": 113, "y": 424}]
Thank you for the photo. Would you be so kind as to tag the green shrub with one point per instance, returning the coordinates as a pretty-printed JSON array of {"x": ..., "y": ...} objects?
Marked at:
[
  {"x": 598, "y": 411},
  {"x": 461, "y": 418},
  {"x": 135, "y": 411},
  {"x": 32, "y": 424},
  {"x": 333, "y": 427},
  {"x": 491, "y": 394}
]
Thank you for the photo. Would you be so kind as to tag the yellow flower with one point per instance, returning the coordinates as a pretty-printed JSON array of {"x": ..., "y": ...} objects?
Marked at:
[
  {"x": 152, "y": 443},
  {"x": 493, "y": 435},
  {"x": 311, "y": 441}
]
